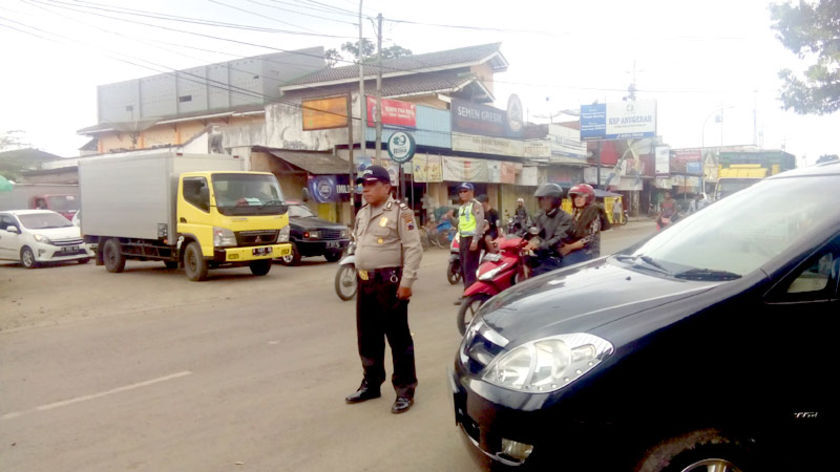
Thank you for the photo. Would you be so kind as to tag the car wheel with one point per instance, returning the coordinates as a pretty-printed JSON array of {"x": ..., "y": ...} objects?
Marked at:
[
  {"x": 293, "y": 258},
  {"x": 453, "y": 273},
  {"x": 260, "y": 267},
  {"x": 345, "y": 282},
  {"x": 194, "y": 263},
  {"x": 27, "y": 258},
  {"x": 705, "y": 450},
  {"x": 332, "y": 256},
  {"x": 112, "y": 256},
  {"x": 469, "y": 307}
]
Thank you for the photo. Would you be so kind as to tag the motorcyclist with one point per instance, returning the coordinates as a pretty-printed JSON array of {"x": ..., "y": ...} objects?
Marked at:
[
  {"x": 589, "y": 219},
  {"x": 554, "y": 225},
  {"x": 521, "y": 220}
]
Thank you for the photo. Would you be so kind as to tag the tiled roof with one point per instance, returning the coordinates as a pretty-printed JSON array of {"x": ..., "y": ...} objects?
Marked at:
[
  {"x": 317, "y": 163},
  {"x": 408, "y": 64}
]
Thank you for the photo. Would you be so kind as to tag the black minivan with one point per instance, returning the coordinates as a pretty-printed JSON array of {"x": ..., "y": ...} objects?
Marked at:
[{"x": 709, "y": 346}]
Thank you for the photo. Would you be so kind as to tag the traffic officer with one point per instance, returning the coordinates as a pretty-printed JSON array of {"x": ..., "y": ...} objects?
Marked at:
[
  {"x": 388, "y": 254},
  {"x": 470, "y": 230}
]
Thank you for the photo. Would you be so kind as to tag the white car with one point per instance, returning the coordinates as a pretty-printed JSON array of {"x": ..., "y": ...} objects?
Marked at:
[{"x": 34, "y": 237}]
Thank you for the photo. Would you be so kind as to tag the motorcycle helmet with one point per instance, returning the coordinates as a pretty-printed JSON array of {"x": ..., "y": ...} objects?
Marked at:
[
  {"x": 550, "y": 190},
  {"x": 585, "y": 190}
]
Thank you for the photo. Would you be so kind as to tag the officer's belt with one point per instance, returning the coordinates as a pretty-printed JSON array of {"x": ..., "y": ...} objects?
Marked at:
[{"x": 387, "y": 274}]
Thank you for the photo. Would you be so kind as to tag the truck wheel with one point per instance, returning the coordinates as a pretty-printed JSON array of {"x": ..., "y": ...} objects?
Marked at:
[
  {"x": 293, "y": 258},
  {"x": 27, "y": 258},
  {"x": 194, "y": 263},
  {"x": 260, "y": 267},
  {"x": 113, "y": 256},
  {"x": 171, "y": 264}
]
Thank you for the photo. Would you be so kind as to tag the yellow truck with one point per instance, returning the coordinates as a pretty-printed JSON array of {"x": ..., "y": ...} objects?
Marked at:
[
  {"x": 196, "y": 211},
  {"x": 738, "y": 170}
]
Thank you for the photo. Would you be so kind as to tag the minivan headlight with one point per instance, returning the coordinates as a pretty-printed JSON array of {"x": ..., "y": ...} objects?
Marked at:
[
  {"x": 547, "y": 364},
  {"x": 223, "y": 237},
  {"x": 41, "y": 239}
]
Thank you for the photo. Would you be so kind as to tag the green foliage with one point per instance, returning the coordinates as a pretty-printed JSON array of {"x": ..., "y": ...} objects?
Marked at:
[
  {"x": 812, "y": 31},
  {"x": 828, "y": 158},
  {"x": 351, "y": 49}
]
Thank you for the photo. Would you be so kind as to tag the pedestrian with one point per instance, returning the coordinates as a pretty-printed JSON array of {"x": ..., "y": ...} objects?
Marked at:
[
  {"x": 470, "y": 231},
  {"x": 521, "y": 218},
  {"x": 589, "y": 217},
  {"x": 618, "y": 212},
  {"x": 388, "y": 254},
  {"x": 491, "y": 216}
]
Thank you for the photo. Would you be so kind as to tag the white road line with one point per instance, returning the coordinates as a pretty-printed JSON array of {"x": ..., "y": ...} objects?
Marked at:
[{"x": 84, "y": 398}]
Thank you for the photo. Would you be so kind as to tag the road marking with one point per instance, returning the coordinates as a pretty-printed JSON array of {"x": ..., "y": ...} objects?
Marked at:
[{"x": 94, "y": 396}]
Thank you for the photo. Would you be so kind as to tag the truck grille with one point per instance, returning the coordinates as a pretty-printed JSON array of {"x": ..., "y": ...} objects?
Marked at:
[{"x": 255, "y": 238}]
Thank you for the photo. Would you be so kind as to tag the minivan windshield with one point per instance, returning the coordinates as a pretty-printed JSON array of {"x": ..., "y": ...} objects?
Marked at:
[
  {"x": 44, "y": 221},
  {"x": 248, "y": 194},
  {"x": 742, "y": 232}
]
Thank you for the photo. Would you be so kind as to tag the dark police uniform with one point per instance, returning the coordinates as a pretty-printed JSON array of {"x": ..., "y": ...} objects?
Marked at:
[{"x": 388, "y": 254}]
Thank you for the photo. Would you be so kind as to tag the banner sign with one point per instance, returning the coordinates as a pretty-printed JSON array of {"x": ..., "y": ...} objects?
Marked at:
[
  {"x": 538, "y": 149},
  {"x": 566, "y": 142},
  {"x": 473, "y": 118},
  {"x": 687, "y": 160},
  {"x": 325, "y": 113},
  {"x": 394, "y": 113},
  {"x": 663, "y": 160},
  {"x": 427, "y": 168},
  {"x": 625, "y": 120},
  {"x": 401, "y": 147}
]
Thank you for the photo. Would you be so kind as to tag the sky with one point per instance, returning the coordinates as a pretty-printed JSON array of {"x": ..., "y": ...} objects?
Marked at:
[{"x": 694, "y": 58}]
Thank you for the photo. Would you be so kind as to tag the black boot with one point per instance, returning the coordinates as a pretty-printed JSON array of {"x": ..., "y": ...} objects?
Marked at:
[{"x": 364, "y": 393}]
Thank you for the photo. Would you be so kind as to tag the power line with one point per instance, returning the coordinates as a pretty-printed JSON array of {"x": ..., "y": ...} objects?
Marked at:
[
  {"x": 302, "y": 13},
  {"x": 261, "y": 15}
]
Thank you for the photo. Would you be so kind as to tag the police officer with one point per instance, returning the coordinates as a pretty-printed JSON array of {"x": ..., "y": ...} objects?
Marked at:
[
  {"x": 388, "y": 254},
  {"x": 470, "y": 231}
]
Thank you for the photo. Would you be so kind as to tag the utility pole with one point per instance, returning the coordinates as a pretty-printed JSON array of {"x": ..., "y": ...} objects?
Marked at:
[
  {"x": 362, "y": 97},
  {"x": 379, "y": 89},
  {"x": 351, "y": 183}
]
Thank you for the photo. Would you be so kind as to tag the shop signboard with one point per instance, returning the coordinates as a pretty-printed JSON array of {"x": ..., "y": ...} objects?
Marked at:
[
  {"x": 621, "y": 120},
  {"x": 686, "y": 160},
  {"x": 401, "y": 147},
  {"x": 459, "y": 169},
  {"x": 474, "y": 118},
  {"x": 427, "y": 168},
  {"x": 323, "y": 188},
  {"x": 487, "y": 145},
  {"x": 538, "y": 149},
  {"x": 566, "y": 142},
  {"x": 324, "y": 113},
  {"x": 394, "y": 113}
]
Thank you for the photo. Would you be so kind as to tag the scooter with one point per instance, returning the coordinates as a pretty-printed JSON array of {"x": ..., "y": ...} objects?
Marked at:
[
  {"x": 497, "y": 272},
  {"x": 345, "y": 278},
  {"x": 453, "y": 269}
]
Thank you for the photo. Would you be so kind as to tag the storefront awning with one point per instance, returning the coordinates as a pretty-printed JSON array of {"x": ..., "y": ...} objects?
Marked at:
[{"x": 316, "y": 163}]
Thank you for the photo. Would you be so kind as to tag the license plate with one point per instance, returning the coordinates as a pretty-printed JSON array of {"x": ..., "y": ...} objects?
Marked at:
[
  {"x": 333, "y": 245},
  {"x": 262, "y": 251}
]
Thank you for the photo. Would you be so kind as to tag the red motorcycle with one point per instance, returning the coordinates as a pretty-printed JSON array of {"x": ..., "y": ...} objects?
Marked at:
[{"x": 498, "y": 271}]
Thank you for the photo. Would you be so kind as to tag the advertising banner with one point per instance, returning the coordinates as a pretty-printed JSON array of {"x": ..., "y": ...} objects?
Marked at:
[
  {"x": 394, "y": 113},
  {"x": 427, "y": 168},
  {"x": 538, "y": 149},
  {"x": 623, "y": 120},
  {"x": 323, "y": 188},
  {"x": 325, "y": 113},
  {"x": 457, "y": 169},
  {"x": 663, "y": 160},
  {"x": 473, "y": 118},
  {"x": 686, "y": 160},
  {"x": 487, "y": 145}
]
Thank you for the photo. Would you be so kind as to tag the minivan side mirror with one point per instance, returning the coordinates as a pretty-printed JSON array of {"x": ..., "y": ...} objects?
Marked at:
[{"x": 13, "y": 229}]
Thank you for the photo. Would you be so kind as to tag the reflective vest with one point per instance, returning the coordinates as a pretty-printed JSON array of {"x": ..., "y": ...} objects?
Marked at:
[{"x": 466, "y": 220}]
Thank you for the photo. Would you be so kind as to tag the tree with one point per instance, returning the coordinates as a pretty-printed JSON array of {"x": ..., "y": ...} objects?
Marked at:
[
  {"x": 828, "y": 158},
  {"x": 811, "y": 30},
  {"x": 351, "y": 49},
  {"x": 12, "y": 139}
]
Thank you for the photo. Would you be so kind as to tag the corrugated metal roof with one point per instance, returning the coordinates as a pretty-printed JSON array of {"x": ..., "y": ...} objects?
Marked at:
[
  {"x": 318, "y": 163},
  {"x": 407, "y": 65}
]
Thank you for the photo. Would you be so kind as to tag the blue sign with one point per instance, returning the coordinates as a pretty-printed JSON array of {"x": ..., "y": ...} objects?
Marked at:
[
  {"x": 624, "y": 120},
  {"x": 323, "y": 188},
  {"x": 593, "y": 121}
]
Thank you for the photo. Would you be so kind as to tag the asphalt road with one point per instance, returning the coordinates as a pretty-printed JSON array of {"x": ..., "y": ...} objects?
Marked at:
[{"x": 147, "y": 371}]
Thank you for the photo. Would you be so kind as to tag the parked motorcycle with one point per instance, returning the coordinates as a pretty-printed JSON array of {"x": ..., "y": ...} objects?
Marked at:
[
  {"x": 345, "y": 278},
  {"x": 497, "y": 272},
  {"x": 453, "y": 269}
]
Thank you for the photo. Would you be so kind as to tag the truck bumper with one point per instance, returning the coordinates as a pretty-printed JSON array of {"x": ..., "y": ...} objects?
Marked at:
[{"x": 252, "y": 253}]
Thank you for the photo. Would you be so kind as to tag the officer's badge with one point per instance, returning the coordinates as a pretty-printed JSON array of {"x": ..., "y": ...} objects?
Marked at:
[{"x": 383, "y": 221}]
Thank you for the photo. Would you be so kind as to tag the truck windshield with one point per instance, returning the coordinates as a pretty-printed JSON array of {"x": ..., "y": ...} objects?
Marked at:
[
  {"x": 727, "y": 187},
  {"x": 248, "y": 194},
  {"x": 62, "y": 202},
  {"x": 44, "y": 221},
  {"x": 739, "y": 234}
]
